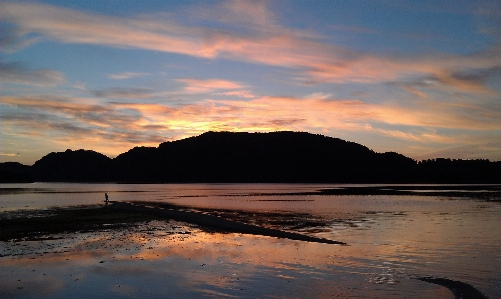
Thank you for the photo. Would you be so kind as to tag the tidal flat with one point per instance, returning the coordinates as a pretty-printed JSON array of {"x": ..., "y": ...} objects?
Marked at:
[
  {"x": 395, "y": 246},
  {"x": 129, "y": 256}
]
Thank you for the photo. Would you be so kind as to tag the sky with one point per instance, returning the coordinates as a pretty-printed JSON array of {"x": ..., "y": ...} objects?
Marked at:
[{"x": 421, "y": 78}]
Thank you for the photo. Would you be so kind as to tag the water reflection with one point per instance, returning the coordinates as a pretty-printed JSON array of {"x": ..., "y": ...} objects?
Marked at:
[
  {"x": 392, "y": 241},
  {"x": 170, "y": 258},
  {"x": 195, "y": 264}
]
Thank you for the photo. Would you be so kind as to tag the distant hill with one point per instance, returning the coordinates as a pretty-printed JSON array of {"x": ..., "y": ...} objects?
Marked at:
[
  {"x": 291, "y": 157},
  {"x": 13, "y": 172},
  {"x": 278, "y": 157},
  {"x": 73, "y": 166}
]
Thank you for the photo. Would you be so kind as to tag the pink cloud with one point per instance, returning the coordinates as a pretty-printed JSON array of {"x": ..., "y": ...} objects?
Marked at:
[
  {"x": 267, "y": 113},
  {"x": 208, "y": 85},
  {"x": 263, "y": 42},
  {"x": 121, "y": 125},
  {"x": 70, "y": 26}
]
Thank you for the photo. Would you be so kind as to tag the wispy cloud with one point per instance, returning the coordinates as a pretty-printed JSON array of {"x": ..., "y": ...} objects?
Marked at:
[
  {"x": 10, "y": 154},
  {"x": 74, "y": 110},
  {"x": 15, "y": 73},
  {"x": 237, "y": 93},
  {"x": 265, "y": 42},
  {"x": 127, "y": 93},
  {"x": 332, "y": 113},
  {"x": 121, "y": 124},
  {"x": 128, "y": 75},
  {"x": 246, "y": 14},
  {"x": 12, "y": 40},
  {"x": 70, "y": 26},
  {"x": 208, "y": 85},
  {"x": 78, "y": 121},
  {"x": 473, "y": 79}
]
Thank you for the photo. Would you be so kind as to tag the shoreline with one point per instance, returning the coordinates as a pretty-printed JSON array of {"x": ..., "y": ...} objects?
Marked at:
[
  {"x": 43, "y": 224},
  {"x": 218, "y": 223},
  {"x": 30, "y": 225}
]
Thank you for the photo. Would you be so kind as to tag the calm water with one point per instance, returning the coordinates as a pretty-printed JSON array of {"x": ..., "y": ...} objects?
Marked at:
[{"x": 392, "y": 240}]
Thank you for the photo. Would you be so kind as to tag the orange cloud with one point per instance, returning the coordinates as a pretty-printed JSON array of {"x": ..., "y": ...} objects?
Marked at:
[
  {"x": 282, "y": 113},
  {"x": 266, "y": 113},
  {"x": 115, "y": 127}
]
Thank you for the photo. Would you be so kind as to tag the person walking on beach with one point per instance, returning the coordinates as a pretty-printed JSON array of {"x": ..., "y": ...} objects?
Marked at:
[{"x": 106, "y": 200}]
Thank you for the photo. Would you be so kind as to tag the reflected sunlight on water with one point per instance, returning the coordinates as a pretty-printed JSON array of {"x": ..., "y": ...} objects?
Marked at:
[
  {"x": 201, "y": 264},
  {"x": 392, "y": 240}
]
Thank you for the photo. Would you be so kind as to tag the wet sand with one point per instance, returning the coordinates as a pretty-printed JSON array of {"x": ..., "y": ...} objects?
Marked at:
[
  {"x": 42, "y": 224},
  {"x": 217, "y": 223},
  {"x": 120, "y": 214}
]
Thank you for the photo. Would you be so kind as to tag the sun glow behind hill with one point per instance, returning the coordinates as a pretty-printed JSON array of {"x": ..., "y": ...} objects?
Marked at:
[{"x": 421, "y": 80}]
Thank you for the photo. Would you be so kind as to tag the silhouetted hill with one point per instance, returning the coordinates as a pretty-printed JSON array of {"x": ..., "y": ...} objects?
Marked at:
[
  {"x": 278, "y": 157},
  {"x": 73, "y": 166},
  {"x": 449, "y": 171},
  {"x": 254, "y": 157},
  {"x": 14, "y": 172}
]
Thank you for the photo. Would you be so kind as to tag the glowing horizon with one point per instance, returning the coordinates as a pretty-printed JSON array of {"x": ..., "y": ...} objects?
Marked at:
[{"x": 422, "y": 80}]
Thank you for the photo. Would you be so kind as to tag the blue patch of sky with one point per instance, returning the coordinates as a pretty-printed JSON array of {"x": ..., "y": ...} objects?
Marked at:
[
  {"x": 363, "y": 26},
  {"x": 88, "y": 64},
  {"x": 373, "y": 26},
  {"x": 92, "y": 64},
  {"x": 494, "y": 81},
  {"x": 120, "y": 8},
  {"x": 260, "y": 79}
]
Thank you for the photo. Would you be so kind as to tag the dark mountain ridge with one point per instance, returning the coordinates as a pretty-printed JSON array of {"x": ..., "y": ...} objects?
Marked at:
[
  {"x": 278, "y": 157},
  {"x": 73, "y": 166}
]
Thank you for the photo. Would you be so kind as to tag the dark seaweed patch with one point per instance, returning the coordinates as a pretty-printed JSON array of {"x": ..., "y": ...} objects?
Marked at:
[{"x": 460, "y": 289}]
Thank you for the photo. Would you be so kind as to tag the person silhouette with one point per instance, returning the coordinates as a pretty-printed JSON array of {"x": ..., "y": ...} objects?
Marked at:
[{"x": 106, "y": 200}]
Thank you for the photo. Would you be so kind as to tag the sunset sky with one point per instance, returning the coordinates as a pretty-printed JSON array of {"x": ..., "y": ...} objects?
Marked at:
[{"x": 422, "y": 78}]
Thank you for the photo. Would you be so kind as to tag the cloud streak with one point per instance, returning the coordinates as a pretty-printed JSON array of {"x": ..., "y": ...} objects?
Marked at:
[
  {"x": 313, "y": 113},
  {"x": 127, "y": 75},
  {"x": 208, "y": 85},
  {"x": 149, "y": 124},
  {"x": 264, "y": 43},
  {"x": 125, "y": 93},
  {"x": 15, "y": 73},
  {"x": 247, "y": 94}
]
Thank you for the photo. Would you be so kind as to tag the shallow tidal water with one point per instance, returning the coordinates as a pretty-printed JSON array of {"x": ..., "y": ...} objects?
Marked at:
[{"x": 392, "y": 240}]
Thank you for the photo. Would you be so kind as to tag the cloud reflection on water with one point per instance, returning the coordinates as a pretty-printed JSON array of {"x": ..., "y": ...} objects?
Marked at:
[{"x": 149, "y": 262}]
